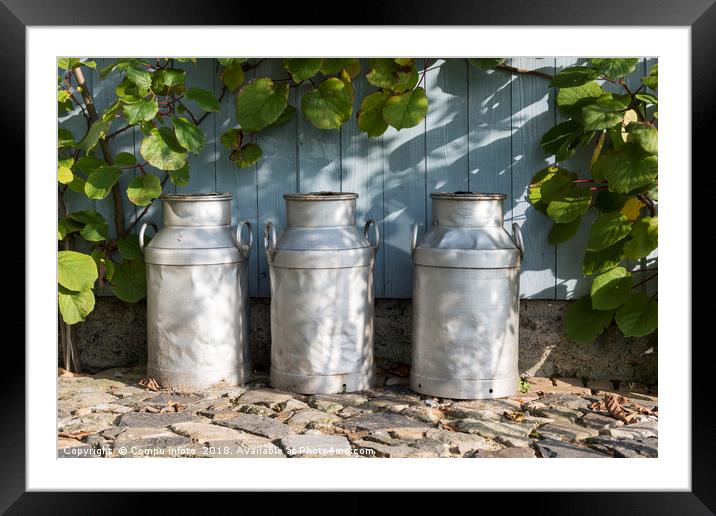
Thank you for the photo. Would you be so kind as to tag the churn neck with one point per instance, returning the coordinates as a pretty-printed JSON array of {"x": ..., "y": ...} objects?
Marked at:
[
  {"x": 197, "y": 209},
  {"x": 467, "y": 209},
  {"x": 321, "y": 209}
]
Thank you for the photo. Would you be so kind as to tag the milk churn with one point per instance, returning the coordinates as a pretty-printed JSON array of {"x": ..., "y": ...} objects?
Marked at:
[
  {"x": 321, "y": 295},
  {"x": 197, "y": 294},
  {"x": 466, "y": 299}
]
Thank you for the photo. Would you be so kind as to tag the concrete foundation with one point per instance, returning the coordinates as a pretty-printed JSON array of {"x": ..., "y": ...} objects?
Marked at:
[{"x": 114, "y": 335}]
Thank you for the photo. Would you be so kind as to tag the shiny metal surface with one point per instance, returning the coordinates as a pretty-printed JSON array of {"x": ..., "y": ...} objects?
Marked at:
[
  {"x": 321, "y": 271},
  {"x": 197, "y": 294},
  {"x": 465, "y": 300}
]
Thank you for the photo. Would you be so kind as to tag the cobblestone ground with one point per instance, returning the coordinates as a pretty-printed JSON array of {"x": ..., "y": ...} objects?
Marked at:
[{"x": 111, "y": 415}]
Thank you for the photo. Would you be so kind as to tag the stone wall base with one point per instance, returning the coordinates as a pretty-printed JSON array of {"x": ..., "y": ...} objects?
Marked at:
[{"x": 114, "y": 335}]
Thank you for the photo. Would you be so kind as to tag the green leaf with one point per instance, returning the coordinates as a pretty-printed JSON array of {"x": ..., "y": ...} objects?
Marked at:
[
  {"x": 231, "y": 139},
  {"x": 611, "y": 288},
  {"x": 302, "y": 68},
  {"x": 584, "y": 324},
  {"x": 142, "y": 110},
  {"x": 228, "y": 61},
  {"x": 129, "y": 282},
  {"x": 648, "y": 98},
  {"x": 570, "y": 101},
  {"x": 607, "y": 230},
  {"x": 76, "y": 271},
  {"x": 87, "y": 217},
  {"x": 65, "y": 138},
  {"x": 95, "y": 232},
  {"x": 607, "y": 201},
  {"x": 645, "y": 238},
  {"x": 628, "y": 168},
  {"x": 260, "y": 103},
  {"x": 101, "y": 180},
  {"x": 331, "y": 66},
  {"x": 162, "y": 150},
  {"x": 486, "y": 63},
  {"x": 171, "y": 77},
  {"x": 535, "y": 187},
  {"x": 638, "y": 316},
  {"x": 233, "y": 76},
  {"x": 67, "y": 226},
  {"x": 129, "y": 247},
  {"x": 247, "y": 155},
  {"x": 370, "y": 114},
  {"x": 188, "y": 135},
  {"x": 386, "y": 73},
  {"x": 645, "y": 135},
  {"x": 652, "y": 80},
  {"x": 603, "y": 113},
  {"x": 600, "y": 261},
  {"x": 89, "y": 163},
  {"x": 205, "y": 99},
  {"x": 75, "y": 306},
  {"x": 284, "y": 118},
  {"x": 64, "y": 170},
  {"x": 105, "y": 267},
  {"x": 406, "y": 109},
  {"x": 561, "y": 140},
  {"x": 563, "y": 232},
  {"x": 141, "y": 78},
  {"x": 96, "y": 131},
  {"x": 565, "y": 200},
  {"x": 615, "y": 68},
  {"x": 180, "y": 177},
  {"x": 404, "y": 61},
  {"x": 329, "y": 105},
  {"x": 125, "y": 159},
  {"x": 67, "y": 63},
  {"x": 573, "y": 76},
  {"x": 142, "y": 190}
]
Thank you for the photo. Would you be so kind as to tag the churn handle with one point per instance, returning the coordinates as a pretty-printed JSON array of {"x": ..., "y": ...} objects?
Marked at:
[
  {"x": 269, "y": 239},
  {"x": 517, "y": 238},
  {"x": 368, "y": 224},
  {"x": 141, "y": 234},
  {"x": 414, "y": 237},
  {"x": 245, "y": 249}
]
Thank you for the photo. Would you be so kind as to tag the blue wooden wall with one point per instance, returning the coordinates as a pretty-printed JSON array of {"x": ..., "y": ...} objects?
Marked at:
[{"x": 482, "y": 133}]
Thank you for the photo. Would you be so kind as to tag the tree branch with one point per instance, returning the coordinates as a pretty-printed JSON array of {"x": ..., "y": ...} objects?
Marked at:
[
  {"x": 106, "y": 152},
  {"x": 524, "y": 71}
]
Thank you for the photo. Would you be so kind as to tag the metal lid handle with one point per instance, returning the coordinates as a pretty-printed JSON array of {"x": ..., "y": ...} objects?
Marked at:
[
  {"x": 414, "y": 237},
  {"x": 141, "y": 234},
  {"x": 368, "y": 223},
  {"x": 269, "y": 239}
]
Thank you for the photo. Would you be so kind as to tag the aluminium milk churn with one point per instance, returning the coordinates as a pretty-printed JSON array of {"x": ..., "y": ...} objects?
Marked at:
[
  {"x": 466, "y": 299},
  {"x": 197, "y": 294},
  {"x": 321, "y": 295}
]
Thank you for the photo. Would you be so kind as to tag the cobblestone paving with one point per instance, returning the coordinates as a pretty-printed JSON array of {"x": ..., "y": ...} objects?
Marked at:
[{"x": 111, "y": 415}]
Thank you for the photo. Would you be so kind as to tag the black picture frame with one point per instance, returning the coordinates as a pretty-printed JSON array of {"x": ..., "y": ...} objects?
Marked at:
[{"x": 699, "y": 15}]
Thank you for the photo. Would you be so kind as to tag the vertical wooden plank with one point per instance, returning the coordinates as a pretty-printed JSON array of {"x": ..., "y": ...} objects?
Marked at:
[
  {"x": 446, "y": 135},
  {"x": 490, "y": 134},
  {"x": 650, "y": 264},
  {"x": 202, "y": 168},
  {"x": 571, "y": 282},
  {"x": 104, "y": 96},
  {"x": 277, "y": 171},
  {"x": 319, "y": 152},
  {"x": 241, "y": 182},
  {"x": 404, "y": 201},
  {"x": 533, "y": 114},
  {"x": 363, "y": 163}
]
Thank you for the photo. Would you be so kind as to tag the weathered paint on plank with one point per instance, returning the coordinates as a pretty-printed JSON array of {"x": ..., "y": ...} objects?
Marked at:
[{"x": 533, "y": 114}]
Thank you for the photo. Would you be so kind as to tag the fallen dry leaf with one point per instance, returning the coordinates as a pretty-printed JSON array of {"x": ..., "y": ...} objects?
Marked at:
[
  {"x": 172, "y": 406},
  {"x": 614, "y": 405},
  {"x": 149, "y": 383},
  {"x": 514, "y": 416}
]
